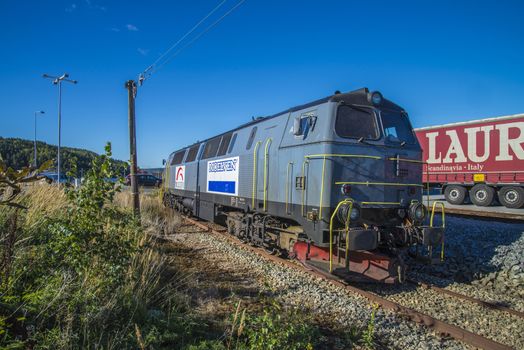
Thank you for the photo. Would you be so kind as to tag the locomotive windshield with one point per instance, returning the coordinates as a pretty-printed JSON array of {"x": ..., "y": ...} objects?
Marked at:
[
  {"x": 397, "y": 127},
  {"x": 353, "y": 122}
]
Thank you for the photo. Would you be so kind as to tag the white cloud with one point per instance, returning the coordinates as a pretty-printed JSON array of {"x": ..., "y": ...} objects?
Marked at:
[
  {"x": 115, "y": 29},
  {"x": 94, "y": 6},
  {"x": 143, "y": 52},
  {"x": 71, "y": 8},
  {"x": 131, "y": 28}
]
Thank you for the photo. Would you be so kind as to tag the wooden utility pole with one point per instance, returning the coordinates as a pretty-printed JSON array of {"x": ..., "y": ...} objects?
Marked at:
[{"x": 131, "y": 89}]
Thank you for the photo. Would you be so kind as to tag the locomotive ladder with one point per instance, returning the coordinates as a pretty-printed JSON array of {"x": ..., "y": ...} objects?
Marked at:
[
  {"x": 443, "y": 213},
  {"x": 346, "y": 230}
]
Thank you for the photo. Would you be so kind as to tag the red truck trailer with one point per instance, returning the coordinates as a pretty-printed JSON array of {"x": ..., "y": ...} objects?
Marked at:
[{"x": 480, "y": 159}]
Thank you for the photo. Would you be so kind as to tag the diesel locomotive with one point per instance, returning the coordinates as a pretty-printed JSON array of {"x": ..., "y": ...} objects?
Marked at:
[{"x": 335, "y": 183}]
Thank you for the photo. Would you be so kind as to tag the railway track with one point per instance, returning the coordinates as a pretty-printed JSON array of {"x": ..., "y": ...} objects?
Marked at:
[
  {"x": 486, "y": 304},
  {"x": 442, "y": 327}
]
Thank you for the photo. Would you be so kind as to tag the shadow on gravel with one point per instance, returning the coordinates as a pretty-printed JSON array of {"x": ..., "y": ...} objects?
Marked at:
[{"x": 215, "y": 286}]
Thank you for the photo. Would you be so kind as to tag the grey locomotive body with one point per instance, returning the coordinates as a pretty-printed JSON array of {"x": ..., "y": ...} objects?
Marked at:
[{"x": 343, "y": 171}]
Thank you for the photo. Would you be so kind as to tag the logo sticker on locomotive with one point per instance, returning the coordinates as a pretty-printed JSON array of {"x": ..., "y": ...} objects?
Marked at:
[
  {"x": 180, "y": 175},
  {"x": 222, "y": 176}
]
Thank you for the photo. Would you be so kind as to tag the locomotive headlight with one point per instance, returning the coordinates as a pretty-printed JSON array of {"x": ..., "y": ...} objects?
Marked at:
[
  {"x": 355, "y": 213},
  {"x": 375, "y": 98},
  {"x": 417, "y": 212},
  {"x": 345, "y": 189},
  {"x": 344, "y": 214}
]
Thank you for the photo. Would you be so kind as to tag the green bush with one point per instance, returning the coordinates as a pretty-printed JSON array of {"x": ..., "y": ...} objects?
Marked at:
[
  {"x": 84, "y": 276},
  {"x": 78, "y": 271},
  {"x": 273, "y": 328}
]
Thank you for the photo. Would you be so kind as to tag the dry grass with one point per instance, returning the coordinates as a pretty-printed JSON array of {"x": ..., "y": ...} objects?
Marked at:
[
  {"x": 43, "y": 201},
  {"x": 156, "y": 218}
]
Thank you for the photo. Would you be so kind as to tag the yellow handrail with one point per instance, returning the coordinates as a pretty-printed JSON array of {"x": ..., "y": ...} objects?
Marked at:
[
  {"x": 443, "y": 223},
  {"x": 420, "y": 162},
  {"x": 427, "y": 183},
  {"x": 380, "y": 203},
  {"x": 433, "y": 213},
  {"x": 322, "y": 188},
  {"x": 167, "y": 176},
  {"x": 290, "y": 164},
  {"x": 367, "y": 183},
  {"x": 304, "y": 179},
  {"x": 324, "y": 156},
  {"x": 255, "y": 160},
  {"x": 345, "y": 201},
  {"x": 406, "y": 160},
  {"x": 342, "y": 155},
  {"x": 266, "y": 155}
]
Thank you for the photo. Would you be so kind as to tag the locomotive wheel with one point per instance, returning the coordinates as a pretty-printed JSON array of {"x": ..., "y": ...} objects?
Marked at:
[
  {"x": 455, "y": 194},
  {"x": 511, "y": 196},
  {"x": 482, "y": 195}
]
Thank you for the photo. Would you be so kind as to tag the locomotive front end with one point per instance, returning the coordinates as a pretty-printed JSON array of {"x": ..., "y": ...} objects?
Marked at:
[{"x": 376, "y": 194}]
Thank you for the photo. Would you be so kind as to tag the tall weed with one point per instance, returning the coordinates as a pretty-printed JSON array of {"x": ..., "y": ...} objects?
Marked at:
[{"x": 83, "y": 272}]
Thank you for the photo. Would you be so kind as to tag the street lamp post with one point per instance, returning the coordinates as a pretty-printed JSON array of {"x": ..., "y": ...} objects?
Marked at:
[
  {"x": 58, "y": 81},
  {"x": 36, "y": 113}
]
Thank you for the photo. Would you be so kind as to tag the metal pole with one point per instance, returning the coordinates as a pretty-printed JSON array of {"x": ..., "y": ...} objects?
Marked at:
[
  {"x": 35, "y": 164},
  {"x": 59, "y": 128},
  {"x": 131, "y": 93},
  {"x": 58, "y": 81}
]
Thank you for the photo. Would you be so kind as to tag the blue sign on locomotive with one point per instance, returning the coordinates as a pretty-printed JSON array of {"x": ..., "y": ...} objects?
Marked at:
[{"x": 336, "y": 182}]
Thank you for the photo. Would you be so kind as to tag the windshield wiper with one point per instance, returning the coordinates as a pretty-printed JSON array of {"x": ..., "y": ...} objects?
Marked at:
[{"x": 361, "y": 140}]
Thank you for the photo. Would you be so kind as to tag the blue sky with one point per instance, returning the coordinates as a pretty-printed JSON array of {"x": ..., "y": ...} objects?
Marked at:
[{"x": 444, "y": 61}]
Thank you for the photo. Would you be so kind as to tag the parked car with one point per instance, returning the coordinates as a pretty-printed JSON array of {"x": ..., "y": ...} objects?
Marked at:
[
  {"x": 145, "y": 180},
  {"x": 53, "y": 177}
]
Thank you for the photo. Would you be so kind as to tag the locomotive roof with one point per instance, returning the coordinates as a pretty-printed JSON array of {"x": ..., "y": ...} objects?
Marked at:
[{"x": 358, "y": 97}]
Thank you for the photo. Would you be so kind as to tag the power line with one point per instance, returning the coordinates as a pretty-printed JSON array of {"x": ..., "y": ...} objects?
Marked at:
[
  {"x": 187, "y": 33},
  {"x": 200, "y": 34},
  {"x": 153, "y": 68}
]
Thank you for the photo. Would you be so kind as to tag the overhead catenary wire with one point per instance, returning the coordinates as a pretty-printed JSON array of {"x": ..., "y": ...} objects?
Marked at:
[
  {"x": 186, "y": 35},
  {"x": 154, "y": 67}
]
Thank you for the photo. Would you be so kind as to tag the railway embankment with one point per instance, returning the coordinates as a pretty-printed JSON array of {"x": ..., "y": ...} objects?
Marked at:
[
  {"x": 481, "y": 308},
  {"x": 332, "y": 309}
]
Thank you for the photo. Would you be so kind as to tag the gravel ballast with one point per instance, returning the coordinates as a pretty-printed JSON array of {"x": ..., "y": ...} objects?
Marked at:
[
  {"x": 339, "y": 306},
  {"x": 484, "y": 259}
]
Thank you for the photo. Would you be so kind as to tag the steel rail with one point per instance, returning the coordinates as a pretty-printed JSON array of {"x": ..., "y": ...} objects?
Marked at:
[
  {"x": 439, "y": 326},
  {"x": 487, "y": 304}
]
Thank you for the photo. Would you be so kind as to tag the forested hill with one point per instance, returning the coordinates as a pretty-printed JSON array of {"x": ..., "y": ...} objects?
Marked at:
[{"x": 18, "y": 153}]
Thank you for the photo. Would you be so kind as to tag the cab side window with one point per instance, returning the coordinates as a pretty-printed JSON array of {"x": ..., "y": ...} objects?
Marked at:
[
  {"x": 192, "y": 154},
  {"x": 232, "y": 143},
  {"x": 251, "y": 137},
  {"x": 178, "y": 157},
  {"x": 211, "y": 148},
  {"x": 224, "y": 145}
]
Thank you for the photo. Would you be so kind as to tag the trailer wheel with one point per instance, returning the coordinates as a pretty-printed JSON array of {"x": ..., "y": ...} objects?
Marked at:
[
  {"x": 482, "y": 195},
  {"x": 455, "y": 194},
  {"x": 511, "y": 196}
]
